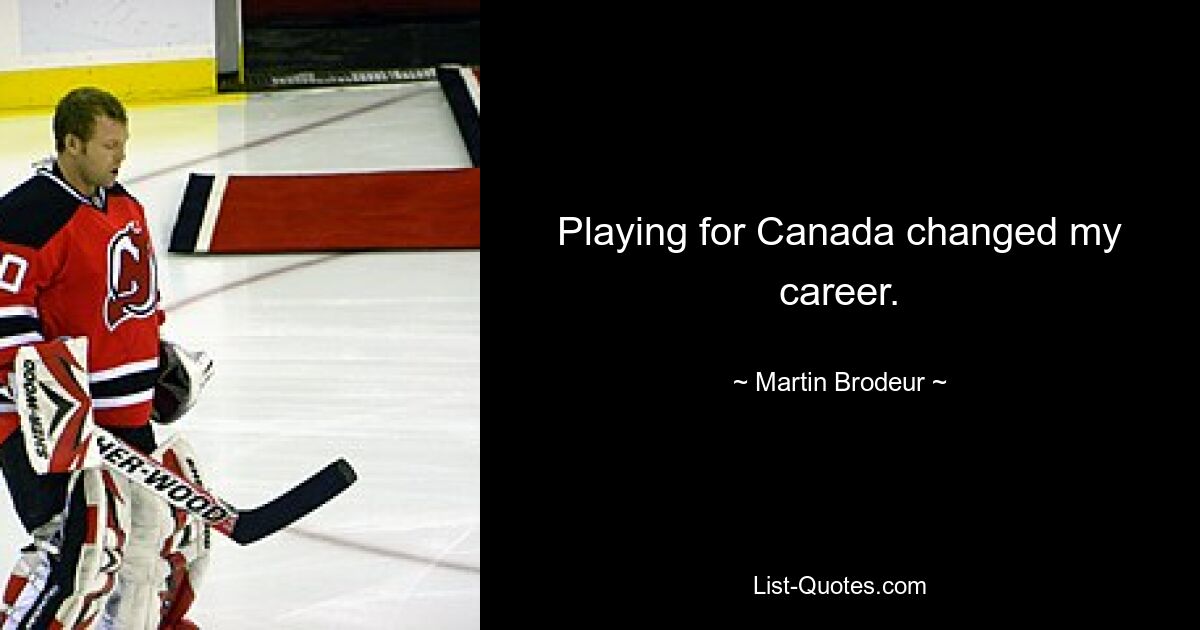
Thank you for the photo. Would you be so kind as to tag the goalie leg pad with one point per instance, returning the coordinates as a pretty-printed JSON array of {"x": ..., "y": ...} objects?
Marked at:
[
  {"x": 28, "y": 576},
  {"x": 39, "y": 502},
  {"x": 135, "y": 606},
  {"x": 91, "y": 543},
  {"x": 167, "y": 553},
  {"x": 188, "y": 548}
]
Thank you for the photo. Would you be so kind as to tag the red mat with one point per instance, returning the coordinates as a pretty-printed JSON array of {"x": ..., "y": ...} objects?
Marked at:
[{"x": 361, "y": 211}]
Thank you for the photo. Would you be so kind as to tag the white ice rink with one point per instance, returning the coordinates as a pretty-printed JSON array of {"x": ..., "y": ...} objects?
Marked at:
[{"x": 374, "y": 357}]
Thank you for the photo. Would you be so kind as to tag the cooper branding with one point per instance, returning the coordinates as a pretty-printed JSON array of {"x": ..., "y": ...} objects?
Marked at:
[{"x": 29, "y": 387}]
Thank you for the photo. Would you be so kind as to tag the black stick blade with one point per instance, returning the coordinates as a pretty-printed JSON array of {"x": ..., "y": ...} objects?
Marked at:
[{"x": 256, "y": 524}]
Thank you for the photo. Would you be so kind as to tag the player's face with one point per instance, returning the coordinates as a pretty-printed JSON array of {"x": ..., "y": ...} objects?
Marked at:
[{"x": 104, "y": 153}]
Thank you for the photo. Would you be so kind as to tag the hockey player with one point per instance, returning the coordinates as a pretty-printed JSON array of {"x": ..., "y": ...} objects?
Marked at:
[{"x": 76, "y": 260}]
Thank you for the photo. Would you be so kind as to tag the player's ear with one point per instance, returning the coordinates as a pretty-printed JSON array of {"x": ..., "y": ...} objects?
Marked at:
[{"x": 74, "y": 144}]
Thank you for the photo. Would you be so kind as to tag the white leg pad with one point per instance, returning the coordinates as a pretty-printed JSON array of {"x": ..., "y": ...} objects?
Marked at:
[
  {"x": 166, "y": 555},
  {"x": 142, "y": 574},
  {"x": 68, "y": 589},
  {"x": 28, "y": 577},
  {"x": 187, "y": 550}
]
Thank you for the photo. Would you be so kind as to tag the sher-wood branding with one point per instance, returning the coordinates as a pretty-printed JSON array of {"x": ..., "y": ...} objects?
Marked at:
[{"x": 150, "y": 474}]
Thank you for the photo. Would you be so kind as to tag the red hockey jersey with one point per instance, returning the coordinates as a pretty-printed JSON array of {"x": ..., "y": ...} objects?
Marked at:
[{"x": 72, "y": 266}]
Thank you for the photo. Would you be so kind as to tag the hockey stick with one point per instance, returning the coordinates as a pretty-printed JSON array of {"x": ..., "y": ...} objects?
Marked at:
[
  {"x": 243, "y": 526},
  {"x": 52, "y": 374}
]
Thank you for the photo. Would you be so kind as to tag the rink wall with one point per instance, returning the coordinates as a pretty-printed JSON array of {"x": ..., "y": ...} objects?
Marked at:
[
  {"x": 257, "y": 12},
  {"x": 138, "y": 49}
]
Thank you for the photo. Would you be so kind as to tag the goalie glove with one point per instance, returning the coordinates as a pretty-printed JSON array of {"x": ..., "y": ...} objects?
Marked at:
[{"x": 184, "y": 375}]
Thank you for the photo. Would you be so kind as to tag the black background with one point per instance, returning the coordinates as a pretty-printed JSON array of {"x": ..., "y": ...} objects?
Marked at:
[{"x": 643, "y": 488}]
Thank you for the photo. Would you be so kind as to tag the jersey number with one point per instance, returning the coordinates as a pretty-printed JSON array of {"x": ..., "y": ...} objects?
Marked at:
[{"x": 12, "y": 272}]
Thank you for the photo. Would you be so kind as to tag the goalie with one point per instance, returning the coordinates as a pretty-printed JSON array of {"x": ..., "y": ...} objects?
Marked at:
[{"x": 76, "y": 261}]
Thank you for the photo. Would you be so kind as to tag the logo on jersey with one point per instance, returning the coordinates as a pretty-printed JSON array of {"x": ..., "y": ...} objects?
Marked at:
[{"x": 132, "y": 277}]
